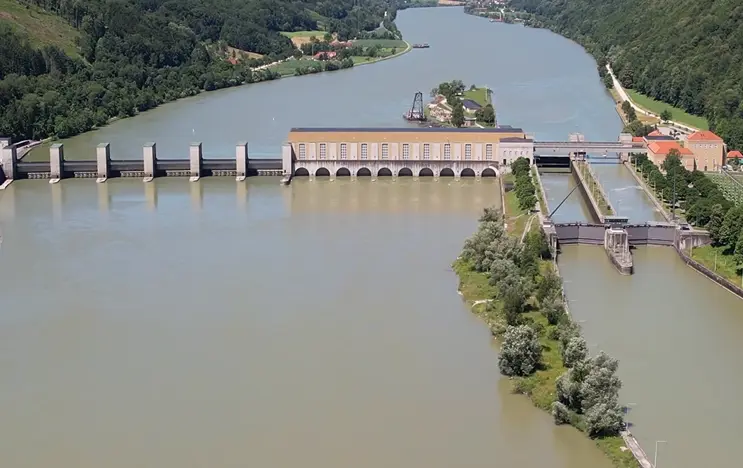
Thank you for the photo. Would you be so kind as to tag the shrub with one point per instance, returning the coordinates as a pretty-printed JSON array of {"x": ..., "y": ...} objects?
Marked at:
[
  {"x": 560, "y": 413},
  {"x": 520, "y": 352},
  {"x": 575, "y": 351}
]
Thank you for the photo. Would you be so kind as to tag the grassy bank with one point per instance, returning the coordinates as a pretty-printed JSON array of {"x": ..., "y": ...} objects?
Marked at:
[
  {"x": 540, "y": 387},
  {"x": 516, "y": 218},
  {"x": 542, "y": 202},
  {"x": 645, "y": 119},
  {"x": 290, "y": 67},
  {"x": 657, "y": 107},
  {"x": 386, "y": 54},
  {"x": 479, "y": 95},
  {"x": 716, "y": 260}
]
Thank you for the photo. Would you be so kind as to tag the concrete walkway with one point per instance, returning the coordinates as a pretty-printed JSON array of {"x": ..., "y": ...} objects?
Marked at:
[{"x": 637, "y": 451}]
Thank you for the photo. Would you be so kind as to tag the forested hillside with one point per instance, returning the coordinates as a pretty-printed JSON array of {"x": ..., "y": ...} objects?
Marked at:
[
  {"x": 688, "y": 53},
  {"x": 137, "y": 54}
]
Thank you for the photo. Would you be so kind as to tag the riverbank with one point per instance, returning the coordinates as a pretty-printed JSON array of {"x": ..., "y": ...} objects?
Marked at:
[
  {"x": 541, "y": 387},
  {"x": 269, "y": 72},
  {"x": 311, "y": 66},
  {"x": 625, "y": 96},
  {"x": 407, "y": 49},
  {"x": 711, "y": 261}
]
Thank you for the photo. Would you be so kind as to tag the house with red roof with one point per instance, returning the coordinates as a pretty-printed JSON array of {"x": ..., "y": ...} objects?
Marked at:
[
  {"x": 708, "y": 149},
  {"x": 341, "y": 44},
  {"x": 658, "y": 151},
  {"x": 734, "y": 155},
  {"x": 329, "y": 55}
]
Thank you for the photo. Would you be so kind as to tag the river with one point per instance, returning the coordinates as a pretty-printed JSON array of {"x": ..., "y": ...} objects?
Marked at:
[{"x": 175, "y": 324}]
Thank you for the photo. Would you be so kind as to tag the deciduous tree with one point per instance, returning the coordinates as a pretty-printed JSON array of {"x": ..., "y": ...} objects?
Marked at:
[
  {"x": 520, "y": 352},
  {"x": 457, "y": 114}
]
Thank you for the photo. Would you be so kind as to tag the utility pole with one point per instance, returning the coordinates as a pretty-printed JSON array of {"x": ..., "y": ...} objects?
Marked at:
[{"x": 673, "y": 208}]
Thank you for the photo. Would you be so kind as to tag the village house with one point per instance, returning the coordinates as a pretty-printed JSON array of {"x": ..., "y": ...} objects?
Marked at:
[
  {"x": 658, "y": 151},
  {"x": 708, "y": 150},
  {"x": 734, "y": 155},
  {"x": 470, "y": 106},
  {"x": 325, "y": 55}
]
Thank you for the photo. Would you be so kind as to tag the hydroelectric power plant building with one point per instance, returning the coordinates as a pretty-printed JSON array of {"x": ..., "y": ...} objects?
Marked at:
[{"x": 458, "y": 152}]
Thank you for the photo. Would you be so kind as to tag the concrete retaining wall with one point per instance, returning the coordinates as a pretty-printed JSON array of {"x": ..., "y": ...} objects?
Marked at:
[
  {"x": 651, "y": 235},
  {"x": 691, "y": 239},
  {"x": 591, "y": 234},
  {"x": 592, "y": 204},
  {"x": 540, "y": 186},
  {"x": 724, "y": 282}
]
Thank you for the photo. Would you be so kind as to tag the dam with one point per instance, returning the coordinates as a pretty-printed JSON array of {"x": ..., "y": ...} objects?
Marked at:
[{"x": 317, "y": 152}]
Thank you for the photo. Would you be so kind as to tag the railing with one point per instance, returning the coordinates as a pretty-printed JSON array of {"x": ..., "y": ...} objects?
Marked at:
[{"x": 133, "y": 165}]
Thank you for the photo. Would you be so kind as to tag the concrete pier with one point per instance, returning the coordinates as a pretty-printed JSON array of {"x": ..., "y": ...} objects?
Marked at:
[
  {"x": 241, "y": 161},
  {"x": 56, "y": 163},
  {"x": 103, "y": 159},
  {"x": 9, "y": 172},
  {"x": 616, "y": 244},
  {"x": 195, "y": 158},
  {"x": 150, "y": 161}
]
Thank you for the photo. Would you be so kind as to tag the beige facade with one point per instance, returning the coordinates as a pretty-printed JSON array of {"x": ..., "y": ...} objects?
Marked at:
[
  {"x": 708, "y": 150},
  {"x": 406, "y": 151}
]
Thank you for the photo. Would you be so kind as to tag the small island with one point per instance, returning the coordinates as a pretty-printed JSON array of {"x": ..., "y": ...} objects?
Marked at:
[{"x": 455, "y": 105}]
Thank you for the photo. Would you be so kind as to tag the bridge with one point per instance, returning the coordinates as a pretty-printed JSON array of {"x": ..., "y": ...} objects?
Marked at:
[{"x": 585, "y": 147}]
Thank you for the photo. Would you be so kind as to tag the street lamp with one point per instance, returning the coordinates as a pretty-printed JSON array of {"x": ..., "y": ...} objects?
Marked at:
[{"x": 655, "y": 457}]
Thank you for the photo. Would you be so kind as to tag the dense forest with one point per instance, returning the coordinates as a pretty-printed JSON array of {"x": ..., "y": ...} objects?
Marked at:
[
  {"x": 688, "y": 53},
  {"x": 136, "y": 54}
]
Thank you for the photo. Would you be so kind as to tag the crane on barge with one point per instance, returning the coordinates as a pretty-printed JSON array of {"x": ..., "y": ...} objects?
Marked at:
[{"x": 416, "y": 114}]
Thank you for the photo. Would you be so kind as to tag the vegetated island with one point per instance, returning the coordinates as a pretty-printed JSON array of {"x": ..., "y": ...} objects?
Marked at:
[
  {"x": 69, "y": 68},
  {"x": 515, "y": 287},
  {"x": 455, "y": 105}
]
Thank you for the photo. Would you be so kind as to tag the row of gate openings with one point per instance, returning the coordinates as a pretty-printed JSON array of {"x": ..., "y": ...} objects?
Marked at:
[{"x": 385, "y": 172}]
